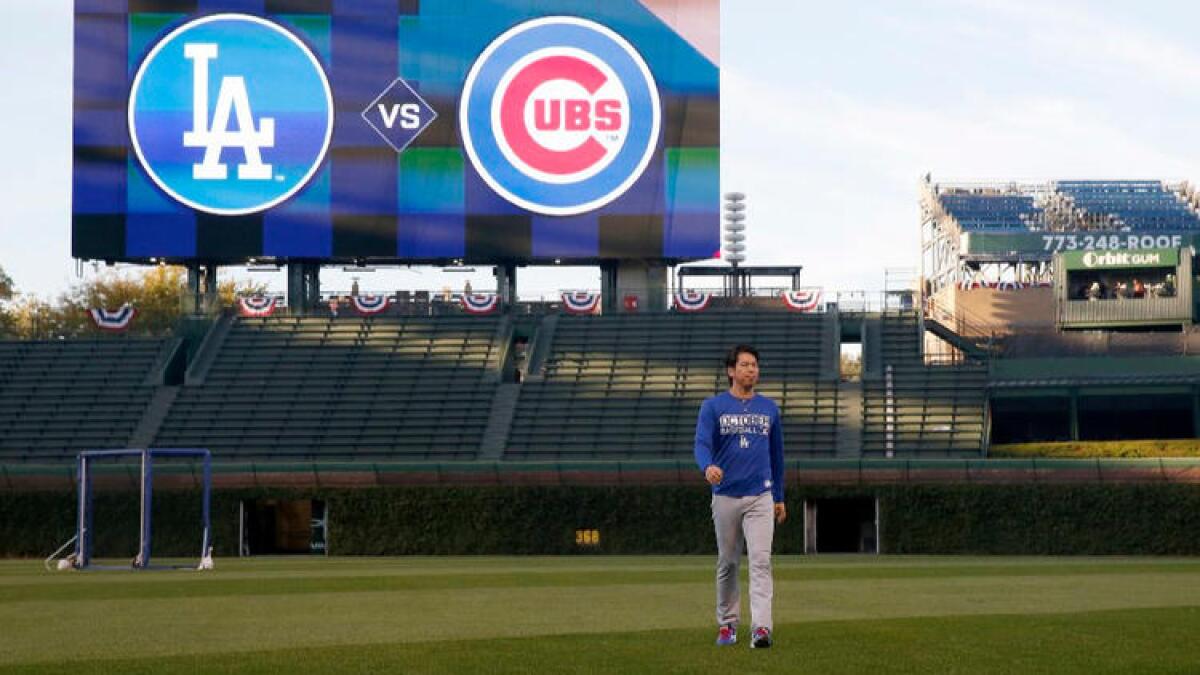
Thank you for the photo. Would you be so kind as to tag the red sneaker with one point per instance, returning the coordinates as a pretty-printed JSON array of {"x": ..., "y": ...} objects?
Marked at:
[{"x": 760, "y": 638}]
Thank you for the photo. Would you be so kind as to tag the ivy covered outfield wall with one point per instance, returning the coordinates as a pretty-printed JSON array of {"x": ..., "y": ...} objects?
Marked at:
[
  {"x": 663, "y": 519},
  {"x": 1182, "y": 447}
]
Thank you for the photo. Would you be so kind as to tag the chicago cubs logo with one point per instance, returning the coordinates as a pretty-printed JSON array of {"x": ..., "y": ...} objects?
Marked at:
[
  {"x": 560, "y": 115},
  {"x": 230, "y": 114}
]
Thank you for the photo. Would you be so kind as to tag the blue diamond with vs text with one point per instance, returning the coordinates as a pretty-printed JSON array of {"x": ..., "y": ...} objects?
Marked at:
[{"x": 399, "y": 114}]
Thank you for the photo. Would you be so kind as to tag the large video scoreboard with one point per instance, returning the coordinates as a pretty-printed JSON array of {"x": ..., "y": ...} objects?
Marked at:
[{"x": 396, "y": 131}]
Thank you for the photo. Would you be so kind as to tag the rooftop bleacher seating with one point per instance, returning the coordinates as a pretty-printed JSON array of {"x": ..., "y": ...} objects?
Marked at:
[
  {"x": 319, "y": 388},
  {"x": 1068, "y": 205},
  {"x": 61, "y": 396},
  {"x": 1138, "y": 205},
  {"x": 630, "y": 386},
  {"x": 993, "y": 212}
]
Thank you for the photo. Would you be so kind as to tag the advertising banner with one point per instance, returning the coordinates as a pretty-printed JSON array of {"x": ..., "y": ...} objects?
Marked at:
[{"x": 1031, "y": 245}]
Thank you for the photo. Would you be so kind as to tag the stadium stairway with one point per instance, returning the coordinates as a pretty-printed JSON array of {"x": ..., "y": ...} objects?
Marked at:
[
  {"x": 973, "y": 349},
  {"x": 850, "y": 431},
  {"x": 207, "y": 352},
  {"x": 900, "y": 338},
  {"x": 918, "y": 410},
  {"x": 504, "y": 408},
  {"x": 147, "y": 428}
]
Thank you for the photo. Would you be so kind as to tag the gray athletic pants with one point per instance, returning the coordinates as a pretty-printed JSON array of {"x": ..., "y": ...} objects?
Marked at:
[{"x": 753, "y": 517}]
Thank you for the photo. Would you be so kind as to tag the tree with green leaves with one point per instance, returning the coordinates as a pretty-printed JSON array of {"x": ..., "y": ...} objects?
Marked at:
[
  {"x": 157, "y": 293},
  {"x": 7, "y": 291},
  {"x": 6, "y": 286}
]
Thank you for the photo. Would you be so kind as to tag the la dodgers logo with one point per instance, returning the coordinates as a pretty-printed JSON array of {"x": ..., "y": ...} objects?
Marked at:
[
  {"x": 231, "y": 99},
  {"x": 560, "y": 115},
  {"x": 256, "y": 142}
]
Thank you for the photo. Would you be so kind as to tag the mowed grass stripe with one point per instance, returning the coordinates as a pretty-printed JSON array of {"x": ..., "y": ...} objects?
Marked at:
[
  {"x": 21, "y": 572},
  {"x": 73, "y": 587},
  {"x": 88, "y": 629},
  {"x": 1127, "y": 641}
]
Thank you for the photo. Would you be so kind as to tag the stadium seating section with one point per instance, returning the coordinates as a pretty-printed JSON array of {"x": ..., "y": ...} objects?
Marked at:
[
  {"x": 308, "y": 388},
  {"x": 992, "y": 212},
  {"x": 629, "y": 386},
  {"x": 624, "y": 386},
  {"x": 1141, "y": 205},
  {"x": 1084, "y": 205},
  {"x": 60, "y": 396}
]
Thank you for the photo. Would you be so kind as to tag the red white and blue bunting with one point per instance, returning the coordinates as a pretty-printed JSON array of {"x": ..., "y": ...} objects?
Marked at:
[
  {"x": 369, "y": 305},
  {"x": 115, "y": 320},
  {"x": 581, "y": 302},
  {"x": 804, "y": 300},
  {"x": 480, "y": 303},
  {"x": 256, "y": 305},
  {"x": 692, "y": 301}
]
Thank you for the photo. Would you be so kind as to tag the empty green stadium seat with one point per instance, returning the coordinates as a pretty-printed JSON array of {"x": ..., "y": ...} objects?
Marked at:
[
  {"x": 630, "y": 386},
  {"x": 61, "y": 396},
  {"x": 320, "y": 388}
]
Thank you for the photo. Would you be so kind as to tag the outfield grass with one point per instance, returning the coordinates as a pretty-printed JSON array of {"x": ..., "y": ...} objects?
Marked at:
[{"x": 604, "y": 615}]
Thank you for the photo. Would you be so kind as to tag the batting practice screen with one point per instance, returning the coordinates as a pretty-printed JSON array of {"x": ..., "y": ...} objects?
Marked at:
[{"x": 396, "y": 131}]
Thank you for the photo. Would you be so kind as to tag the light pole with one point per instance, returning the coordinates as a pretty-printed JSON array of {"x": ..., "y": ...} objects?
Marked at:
[{"x": 735, "y": 227}]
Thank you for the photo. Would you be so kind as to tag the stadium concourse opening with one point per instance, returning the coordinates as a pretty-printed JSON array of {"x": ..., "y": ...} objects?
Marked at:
[
  {"x": 283, "y": 527},
  {"x": 841, "y": 525}
]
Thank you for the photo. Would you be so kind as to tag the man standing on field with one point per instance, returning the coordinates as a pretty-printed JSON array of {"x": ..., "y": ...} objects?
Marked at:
[{"x": 739, "y": 447}]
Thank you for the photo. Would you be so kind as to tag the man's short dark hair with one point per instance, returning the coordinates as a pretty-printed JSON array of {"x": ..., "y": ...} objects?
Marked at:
[{"x": 731, "y": 358}]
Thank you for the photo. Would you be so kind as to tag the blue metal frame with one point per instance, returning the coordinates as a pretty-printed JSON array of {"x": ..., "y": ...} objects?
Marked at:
[{"x": 83, "y": 544}]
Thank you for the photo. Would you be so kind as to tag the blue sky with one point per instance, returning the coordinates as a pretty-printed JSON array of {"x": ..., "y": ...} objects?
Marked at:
[{"x": 831, "y": 113}]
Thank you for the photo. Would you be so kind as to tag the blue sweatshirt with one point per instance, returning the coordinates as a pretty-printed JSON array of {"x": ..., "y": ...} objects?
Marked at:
[{"x": 745, "y": 440}]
